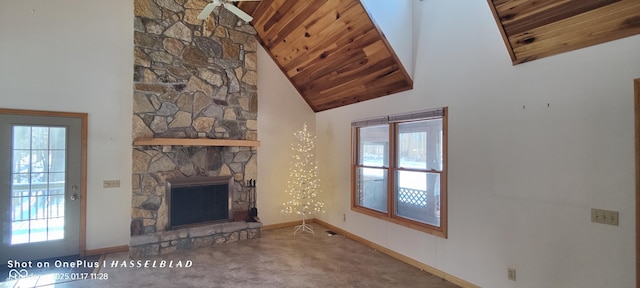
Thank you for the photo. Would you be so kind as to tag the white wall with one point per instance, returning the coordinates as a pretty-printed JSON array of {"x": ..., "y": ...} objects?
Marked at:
[
  {"x": 521, "y": 181},
  {"x": 281, "y": 112},
  {"x": 76, "y": 56},
  {"x": 395, "y": 19}
]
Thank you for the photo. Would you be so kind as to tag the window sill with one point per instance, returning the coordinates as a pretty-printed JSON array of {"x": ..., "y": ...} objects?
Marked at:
[{"x": 433, "y": 230}]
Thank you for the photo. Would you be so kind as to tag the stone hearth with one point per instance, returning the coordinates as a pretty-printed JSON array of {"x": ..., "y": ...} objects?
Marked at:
[
  {"x": 191, "y": 238},
  {"x": 192, "y": 79}
]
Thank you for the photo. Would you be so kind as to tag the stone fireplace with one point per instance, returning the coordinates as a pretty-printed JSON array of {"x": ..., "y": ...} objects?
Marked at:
[{"x": 192, "y": 79}]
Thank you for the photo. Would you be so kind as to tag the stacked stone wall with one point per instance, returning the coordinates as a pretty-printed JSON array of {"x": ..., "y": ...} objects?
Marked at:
[{"x": 192, "y": 79}]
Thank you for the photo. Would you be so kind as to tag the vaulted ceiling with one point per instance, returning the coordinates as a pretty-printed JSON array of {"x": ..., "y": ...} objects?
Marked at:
[
  {"x": 334, "y": 55},
  {"x": 331, "y": 50},
  {"x": 534, "y": 29}
]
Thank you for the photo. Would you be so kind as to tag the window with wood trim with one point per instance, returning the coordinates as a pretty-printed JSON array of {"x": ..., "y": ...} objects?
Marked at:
[{"x": 399, "y": 169}]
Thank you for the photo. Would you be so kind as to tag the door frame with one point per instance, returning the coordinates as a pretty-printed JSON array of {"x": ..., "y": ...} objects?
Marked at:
[
  {"x": 83, "y": 158},
  {"x": 636, "y": 113}
]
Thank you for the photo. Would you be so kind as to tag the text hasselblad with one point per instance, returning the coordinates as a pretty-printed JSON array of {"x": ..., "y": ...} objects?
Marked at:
[{"x": 12, "y": 264}]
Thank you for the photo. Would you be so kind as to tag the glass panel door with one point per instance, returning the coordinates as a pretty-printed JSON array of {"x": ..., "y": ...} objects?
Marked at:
[{"x": 40, "y": 176}]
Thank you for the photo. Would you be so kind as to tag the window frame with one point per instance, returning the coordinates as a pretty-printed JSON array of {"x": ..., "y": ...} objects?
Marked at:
[{"x": 393, "y": 167}]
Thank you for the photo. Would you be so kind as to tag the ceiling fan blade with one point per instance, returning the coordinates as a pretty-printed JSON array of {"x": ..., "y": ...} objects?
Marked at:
[
  {"x": 235, "y": 10},
  {"x": 207, "y": 10}
]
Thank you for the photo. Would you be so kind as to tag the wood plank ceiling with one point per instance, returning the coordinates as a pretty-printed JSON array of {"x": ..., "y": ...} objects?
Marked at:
[
  {"x": 334, "y": 55},
  {"x": 331, "y": 50},
  {"x": 534, "y": 29}
]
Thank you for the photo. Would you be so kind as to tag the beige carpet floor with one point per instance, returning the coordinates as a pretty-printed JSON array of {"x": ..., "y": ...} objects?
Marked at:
[{"x": 277, "y": 259}]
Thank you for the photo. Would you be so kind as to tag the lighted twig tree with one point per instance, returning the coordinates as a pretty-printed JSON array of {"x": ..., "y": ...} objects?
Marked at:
[{"x": 303, "y": 184}]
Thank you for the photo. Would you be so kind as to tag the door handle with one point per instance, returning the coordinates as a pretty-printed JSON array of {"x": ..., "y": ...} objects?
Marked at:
[{"x": 75, "y": 195}]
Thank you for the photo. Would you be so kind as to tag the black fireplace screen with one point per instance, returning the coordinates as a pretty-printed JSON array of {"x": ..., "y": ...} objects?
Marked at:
[{"x": 198, "y": 200}]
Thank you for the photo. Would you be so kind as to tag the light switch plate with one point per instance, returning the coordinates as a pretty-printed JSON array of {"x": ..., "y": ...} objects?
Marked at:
[{"x": 111, "y": 183}]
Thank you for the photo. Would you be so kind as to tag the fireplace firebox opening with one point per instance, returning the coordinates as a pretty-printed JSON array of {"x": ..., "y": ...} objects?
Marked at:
[{"x": 197, "y": 201}]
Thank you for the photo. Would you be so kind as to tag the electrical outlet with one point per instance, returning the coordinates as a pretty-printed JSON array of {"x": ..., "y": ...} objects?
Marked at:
[
  {"x": 604, "y": 216},
  {"x": 111, "y": 184},
  {"x": 511, "y": 274},
  {"x": 344, "y": 217}
]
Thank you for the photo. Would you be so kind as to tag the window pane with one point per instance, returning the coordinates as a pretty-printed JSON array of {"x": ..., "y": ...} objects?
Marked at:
[
  {"x": 56, "y": 207},
  {"x": 39, "y": 180},
  {"x": 371, "y": 188},
  {"x": 39, "y": 160},
  {"x": 21, "y": 178},
  {"x": 21, "y": 161},
  {"x": 418, "y": 196},
  {"x": 20, "y": 204},
  {"x": 21, "y": 137},
  {"x": 57, "y": 161},
  {"x": 39, "y": 137},
  {"x": 57, "y": 178},
  {"x": 420, "y": 145},
  {"x": 374, "y": 146},
  {"x": 56, "y": 187},
  {"x": 57, "y": 138}
]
